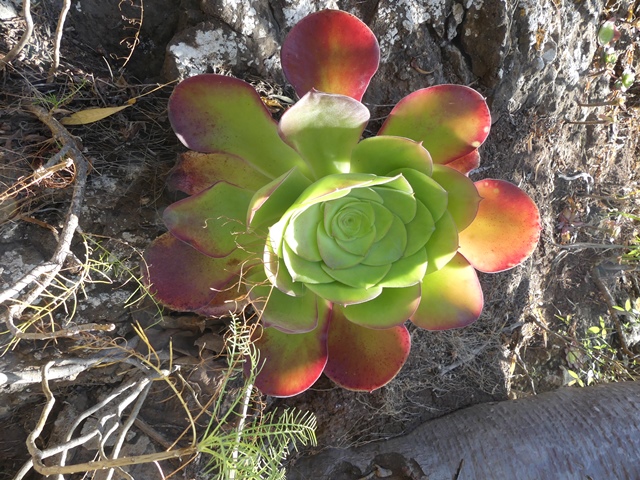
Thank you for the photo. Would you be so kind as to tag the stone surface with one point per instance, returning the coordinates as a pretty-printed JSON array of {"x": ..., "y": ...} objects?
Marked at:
[
  {"x": 422, "y": 43},
  {"x": 9, "y": 9},
  {"x": 112, "y": 28}
]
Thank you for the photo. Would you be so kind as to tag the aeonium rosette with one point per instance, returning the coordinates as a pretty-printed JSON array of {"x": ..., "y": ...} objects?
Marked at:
[{"x": 336, "y": 241}]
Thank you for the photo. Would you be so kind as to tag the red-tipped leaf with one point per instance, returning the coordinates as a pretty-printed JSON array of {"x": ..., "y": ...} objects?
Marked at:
[
  {"x": 450, "y": 120},
  {"x": 290, "y": 363},
  {"x": 364, "y": 359},
  {"x": 214, "y": 113},
  {"x": 451, "y": 297},
  {"x": 331, "y": 51},
  {"x": 183, "y": 279},
  {"x": 466, "y": 163},
  {"x": 505, "y": 231},
  {"x": 196, "y": 172}
]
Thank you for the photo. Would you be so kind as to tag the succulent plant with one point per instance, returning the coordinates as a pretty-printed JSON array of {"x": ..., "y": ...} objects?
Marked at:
[{"x": 334, "y": 240}]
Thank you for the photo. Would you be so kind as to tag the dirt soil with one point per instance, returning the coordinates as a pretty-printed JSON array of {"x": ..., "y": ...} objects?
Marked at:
[{"x": 579, "y": 163}]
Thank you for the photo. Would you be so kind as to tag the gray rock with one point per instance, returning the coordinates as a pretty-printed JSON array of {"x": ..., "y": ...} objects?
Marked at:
[{"x": 10, "y": 9}]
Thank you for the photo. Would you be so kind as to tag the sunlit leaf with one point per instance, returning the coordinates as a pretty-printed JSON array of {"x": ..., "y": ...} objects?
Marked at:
[
  {"x": 451, "y": 297},
  {"x": 365, "y": 359},
  {"x": 324, "y": 128},
  {"x": 506, "y": 229},
  {"x": 383, "y": 154},
  {"x": 215, "y": 113},
  {"x": 450, "y": 120},
  {"x": 331, "y": 51}
]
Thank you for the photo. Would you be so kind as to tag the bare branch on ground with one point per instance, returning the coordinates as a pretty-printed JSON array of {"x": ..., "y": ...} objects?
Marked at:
[
  {"x": 110, "y": 413},
  {"x": 43, "y": 275},
  {"x": 56, "y": 48}
]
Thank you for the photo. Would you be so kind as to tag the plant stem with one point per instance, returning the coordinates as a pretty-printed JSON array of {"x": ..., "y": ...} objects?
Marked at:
[{"x": 243, "y": 417}]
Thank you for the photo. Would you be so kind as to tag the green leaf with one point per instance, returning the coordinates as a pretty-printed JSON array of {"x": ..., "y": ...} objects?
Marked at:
[
  {"x": 212, "y": 221},
  {"x": 303, "y": 270},
  {"x": 463, "y": 195},
  {"x": 323, "y": 128},
  {"x": 277, "y": 273},
  {"x": 390, "y": 248},
  {"x": 337, "y": 186},
  {"x": 359, "y": 276},
  {"x": 358, "y": 246},
  {"x": 352, "y": 221},
  {"x": 384, "y": 220},
  {"x": 332, "y": 254},
  {"x": 443, "y": 243},
  {"x": 216, "y": 113},
  {"x": 301, "y": 233},
  {"x": 407, "y": 271},
  {"x": 419, "y": 230},
  {"x": 270, "y": 202},
  {"x": 427, "y": 190},
  {"x": 344, "y": 295},
  {"x": 366, "y": 194},
  {"x": 393, "y": 307},
  {"x": 608, "y": 32},
  {"x": 383, "y": 154},
  {"x": 401, "y": 204},
  {"x": 284, "y": 312}
]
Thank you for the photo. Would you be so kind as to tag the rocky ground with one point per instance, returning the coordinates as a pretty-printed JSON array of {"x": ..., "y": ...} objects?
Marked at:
[{"x": 561, "y": 131}]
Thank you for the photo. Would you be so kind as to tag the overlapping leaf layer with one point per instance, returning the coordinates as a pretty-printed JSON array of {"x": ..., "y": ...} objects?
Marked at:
[{"x": 335, "y": 240}]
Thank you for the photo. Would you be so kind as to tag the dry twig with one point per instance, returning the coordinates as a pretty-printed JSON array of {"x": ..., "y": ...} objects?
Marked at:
[
  {"x": 43, "y": 275},
  {"x": 111, "y": 412},
  {"x": 56, "y": 48}
]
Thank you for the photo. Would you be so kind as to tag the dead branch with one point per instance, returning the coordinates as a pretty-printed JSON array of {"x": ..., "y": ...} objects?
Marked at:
[
  {"x": 43, "y": 275},
  {"x": 56, "y": 46},
  {"x": 67, "y": 368},
  {"x": 112, "y": 412},
  {"x": 26, "y": 36}
]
